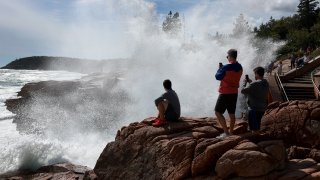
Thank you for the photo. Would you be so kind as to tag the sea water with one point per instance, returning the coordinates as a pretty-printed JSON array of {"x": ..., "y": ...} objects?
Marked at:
[{"x": 29, "y": 151}]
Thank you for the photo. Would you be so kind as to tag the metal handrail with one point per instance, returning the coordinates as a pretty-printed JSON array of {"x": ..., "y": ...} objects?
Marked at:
[
  {"x": 281, "y": 87},
  {"x": 314, "y": 84}
]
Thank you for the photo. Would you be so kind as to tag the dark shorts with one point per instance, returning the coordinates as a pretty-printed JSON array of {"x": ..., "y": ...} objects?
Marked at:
[
  {"x": 170, "y": 114},
  {"x": 255, "y": 119},
  {"x": 226, "y": 102}
]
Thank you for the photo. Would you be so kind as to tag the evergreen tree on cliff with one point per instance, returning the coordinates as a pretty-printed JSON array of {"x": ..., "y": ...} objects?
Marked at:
[
  {"x": 308, "y": 12},
  {"x": 241, "y": 27},
  {"x": 172, "y": 24}
]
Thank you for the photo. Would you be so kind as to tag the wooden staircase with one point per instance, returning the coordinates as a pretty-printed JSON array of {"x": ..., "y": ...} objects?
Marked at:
[
  {"x": 301, "y": 87},
  {"x": 296, "y": 84}
]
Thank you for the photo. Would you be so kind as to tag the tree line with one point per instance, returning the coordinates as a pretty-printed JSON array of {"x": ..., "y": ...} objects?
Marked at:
[{"x": 301, "y": 30}]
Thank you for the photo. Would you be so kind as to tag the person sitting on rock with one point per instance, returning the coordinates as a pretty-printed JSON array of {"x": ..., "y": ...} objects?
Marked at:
[
  {"x": 257, "y": 93},
  {"x": 168, "y": 105}
]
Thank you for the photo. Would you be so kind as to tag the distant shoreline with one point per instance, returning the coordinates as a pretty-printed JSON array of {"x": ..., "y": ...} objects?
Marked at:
[{"x": 62, "y": 63}]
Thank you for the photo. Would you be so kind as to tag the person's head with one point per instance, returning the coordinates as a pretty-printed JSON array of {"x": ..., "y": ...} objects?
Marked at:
[
  {"x": 167, "y": 84},
  {"x": 258, "y": 72},
  {"x": 232, "y": 55}
]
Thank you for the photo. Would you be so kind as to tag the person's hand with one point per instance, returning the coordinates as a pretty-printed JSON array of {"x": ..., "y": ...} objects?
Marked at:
[{"x": 245, "y": 81}]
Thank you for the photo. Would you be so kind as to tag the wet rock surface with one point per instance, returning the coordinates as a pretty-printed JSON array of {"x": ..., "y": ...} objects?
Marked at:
[
  {"x": 190, "y": 148},
  {"x": 53, "y": 172},
  {"x": 297, "y": 122}
]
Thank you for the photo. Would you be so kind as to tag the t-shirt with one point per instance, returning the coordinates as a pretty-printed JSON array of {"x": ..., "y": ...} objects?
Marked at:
[
  {"x": 229, "y": 75},
  {"x": 257, "y": 93}
]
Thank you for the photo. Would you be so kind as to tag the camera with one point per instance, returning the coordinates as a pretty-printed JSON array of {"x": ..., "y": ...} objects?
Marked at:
[
  {"x": 247, "y": 77},
  {"x": 220, "y": 65}
]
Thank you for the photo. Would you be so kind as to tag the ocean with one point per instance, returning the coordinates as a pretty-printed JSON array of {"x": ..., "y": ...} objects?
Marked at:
[{"x": 25, "y": 151}]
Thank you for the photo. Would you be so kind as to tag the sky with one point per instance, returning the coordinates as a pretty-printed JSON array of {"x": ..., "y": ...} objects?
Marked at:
[{"x": 100, "y": 29}]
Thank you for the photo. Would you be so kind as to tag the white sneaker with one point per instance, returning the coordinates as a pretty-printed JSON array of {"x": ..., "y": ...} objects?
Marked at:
[{"x": 222, "y": 136}]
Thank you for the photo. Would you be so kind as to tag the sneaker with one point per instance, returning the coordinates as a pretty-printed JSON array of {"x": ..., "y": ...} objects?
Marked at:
[
  {"x": 159, "y": 122},
  {"x": 222, "y": 136}
]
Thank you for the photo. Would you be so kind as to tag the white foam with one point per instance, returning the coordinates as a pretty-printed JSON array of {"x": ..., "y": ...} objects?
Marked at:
[{"x": 26, "y": 151}]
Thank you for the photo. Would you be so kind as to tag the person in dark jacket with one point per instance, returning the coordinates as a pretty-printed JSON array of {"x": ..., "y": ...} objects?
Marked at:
[
  {"x": 168, "y": 105},
  {"x": 229, "y": 76},
  {"x": 257, "y": 93}
]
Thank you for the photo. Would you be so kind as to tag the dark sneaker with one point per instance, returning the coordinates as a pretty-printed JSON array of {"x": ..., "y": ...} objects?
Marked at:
[{"x": 159, "y": 122}]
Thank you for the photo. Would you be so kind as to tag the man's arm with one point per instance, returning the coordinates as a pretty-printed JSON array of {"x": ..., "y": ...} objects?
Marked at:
[
  {"x": 221, "y": 73},
  {"x": 161, "y": 98},
  {"x": 246, "y": 90}
]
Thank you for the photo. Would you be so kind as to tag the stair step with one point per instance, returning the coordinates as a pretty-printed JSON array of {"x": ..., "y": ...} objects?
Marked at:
[
  {"x": 300, "y": 93},
  {"x": 301, "y": 82},
  {"x": 298, "y": 89},
  {"x": 300, "y": 79},
  {"x": 297, "y": 85},
  {"x": 297, "y": 95},
  {"x": 301, "y": 98}
]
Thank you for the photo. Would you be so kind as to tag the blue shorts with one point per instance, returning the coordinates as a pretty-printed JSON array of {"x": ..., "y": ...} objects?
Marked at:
[{"x": 255, "y": 119}]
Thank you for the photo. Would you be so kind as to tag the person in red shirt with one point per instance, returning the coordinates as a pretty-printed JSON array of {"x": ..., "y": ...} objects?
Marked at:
[{"x": 229, "y": 76}]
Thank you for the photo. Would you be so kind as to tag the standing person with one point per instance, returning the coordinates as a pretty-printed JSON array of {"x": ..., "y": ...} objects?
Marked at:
[
  {"x": 296, "y": 63},
  {"x": 257, "y": 93},
  {"x": 292, "y": 60},
  {"x": 229, "y": 75},
  {"x": 305, "y": 59},
  {"x": 280, "y": 68},
  {"x": 300, "y": 61},
  {"x": 168, "y": 105},
  {"x": 270, "y": 67}
]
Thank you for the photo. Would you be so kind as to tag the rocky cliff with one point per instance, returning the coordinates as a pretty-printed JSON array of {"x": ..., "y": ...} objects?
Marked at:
[
  {"x": 296, "y": 122},
  {"x": 190, "y": 149}
]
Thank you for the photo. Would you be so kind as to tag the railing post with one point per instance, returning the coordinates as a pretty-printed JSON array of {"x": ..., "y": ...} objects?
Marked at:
[
  {"x": 315, "y": 84},
  {"x": 284, "y": 94}
]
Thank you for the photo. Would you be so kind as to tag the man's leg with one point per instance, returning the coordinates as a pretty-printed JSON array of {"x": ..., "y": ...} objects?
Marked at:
[
  {"x": 160, "y": 120},
  {"x": 232, "y": 105},
  {"x": 232, "y": 122},
  {"x": 222, "y": 122},
  {"x": 161, "y": 110}
]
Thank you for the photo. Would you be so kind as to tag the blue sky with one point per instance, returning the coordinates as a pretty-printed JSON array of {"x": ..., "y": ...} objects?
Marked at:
[{"x": 97, "y": 29}]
